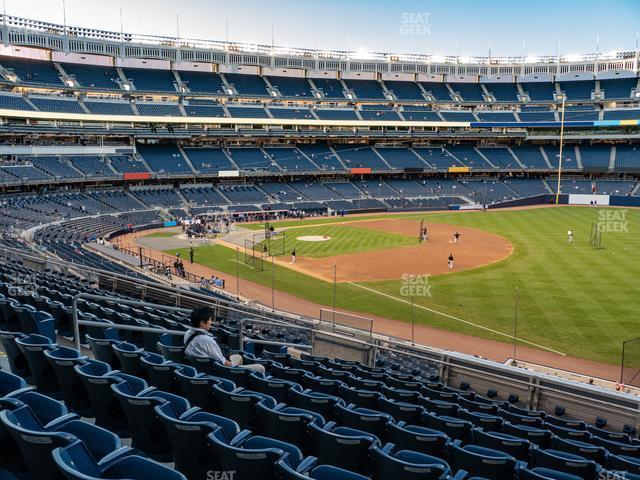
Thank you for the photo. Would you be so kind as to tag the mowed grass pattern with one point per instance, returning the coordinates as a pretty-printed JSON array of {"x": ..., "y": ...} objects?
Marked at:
[
  {"x": 572, "y": 298},
  {"x": 343, "y": 239}
]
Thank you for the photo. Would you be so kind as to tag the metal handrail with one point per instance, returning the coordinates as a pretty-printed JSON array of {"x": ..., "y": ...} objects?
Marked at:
[{"x": 76, "y": 322}]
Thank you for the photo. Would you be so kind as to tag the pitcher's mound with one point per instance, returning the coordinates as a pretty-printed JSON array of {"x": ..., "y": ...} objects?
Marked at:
[{"x": 313, "y": 238}]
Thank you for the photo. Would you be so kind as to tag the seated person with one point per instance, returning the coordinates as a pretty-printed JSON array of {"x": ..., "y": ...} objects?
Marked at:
[{"x": 200, "y": 342}]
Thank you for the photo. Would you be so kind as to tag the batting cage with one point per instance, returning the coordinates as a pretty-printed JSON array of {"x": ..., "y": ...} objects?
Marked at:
[
  {"x": 253, "y": 257},
  {"x": 595, "y": 237},
  {"x": 630, "y": 368},
  {"x": 263, "y": 245}
]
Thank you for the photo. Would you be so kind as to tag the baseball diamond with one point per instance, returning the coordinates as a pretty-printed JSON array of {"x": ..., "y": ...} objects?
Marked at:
[{"x": 372, "y": 259}]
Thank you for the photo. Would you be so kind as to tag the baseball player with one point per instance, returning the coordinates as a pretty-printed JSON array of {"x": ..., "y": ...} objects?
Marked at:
[
  {"x": 570, "y": 235},
  {"x": 456, "y": 237},
  {"x": 450, "y": 261},
  {"x": 293, "y": 256}
]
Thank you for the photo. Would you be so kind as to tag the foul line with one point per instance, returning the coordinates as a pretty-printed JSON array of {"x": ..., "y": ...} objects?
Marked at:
[{"x": 456, "y": 318}]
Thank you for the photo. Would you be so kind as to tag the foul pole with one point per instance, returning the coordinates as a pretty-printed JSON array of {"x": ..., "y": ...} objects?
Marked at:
[{"x": 560, "y": 153}]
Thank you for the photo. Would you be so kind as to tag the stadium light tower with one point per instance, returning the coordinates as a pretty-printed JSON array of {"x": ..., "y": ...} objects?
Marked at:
[{"x": 564, "y": 98}]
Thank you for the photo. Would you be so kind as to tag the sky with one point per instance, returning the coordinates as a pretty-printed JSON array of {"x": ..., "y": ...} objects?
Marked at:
[{"x": 463, "y": 27}]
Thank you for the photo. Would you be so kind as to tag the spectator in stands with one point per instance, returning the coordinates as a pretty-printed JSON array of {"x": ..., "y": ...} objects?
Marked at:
[
  {"x": 200, "y": 342},
  {"x": 176, "y": 266}
]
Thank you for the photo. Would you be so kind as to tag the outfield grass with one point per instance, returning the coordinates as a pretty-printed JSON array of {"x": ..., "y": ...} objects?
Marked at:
[
  {"x": 572, "y": 298},
  {"x": 343, "y": 239}
]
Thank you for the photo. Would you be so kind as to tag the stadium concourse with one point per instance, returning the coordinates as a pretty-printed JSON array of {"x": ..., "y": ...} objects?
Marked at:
[{"x": 107, "y": 137}]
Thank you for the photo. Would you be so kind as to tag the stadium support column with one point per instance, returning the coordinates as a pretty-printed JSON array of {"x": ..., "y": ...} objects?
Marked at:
[{"x": 564, "y": 98}]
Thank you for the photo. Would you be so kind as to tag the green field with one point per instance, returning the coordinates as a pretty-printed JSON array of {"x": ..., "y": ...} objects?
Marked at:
[
  {"x": 572, "y": 298},
  {"x": 344, "y": 239}
]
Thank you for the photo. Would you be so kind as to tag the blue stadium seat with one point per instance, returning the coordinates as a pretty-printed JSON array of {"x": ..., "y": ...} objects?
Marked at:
[
  {"x": 295, "y": 375},
  {"x": 77, "y": 463},
  {"x": 102, "y": 348},
  {"x": 328, "y": 386},
  {"x": 159, "y": 372},
  {"x": 565, "y": 462},
  {"x": 540, "y": 473},
  {"x": 308, "y": 365},
  {"x": 138, "y": 403},
  {"x": 417, "y": 438},
  {"x": 318, "y": 402},
  {"x": 489, "y": 423},
  {"x": 454, "y": 427},
  {"x": 538, "y": 436},
  {"x": 17, "y": 361},
  {"x": 171, "y": 348},
  {"x": 33, "y": 321},
  {"x": 363, "y": 419},
  {"x": 63, "y": 361},
  {"x": 342, "y": 447},
  {"x": 517, "y": 419},
  {"x": 400, "y": 395},
  {"x": 274, "y": 387},
  {"x": 616, "y": 448},
  {"x": 11, "y": 383},
  {"x": 321, "y": 472},
  {"x": 128, "y": 356},
  {"x": 571, "y": 433},
  {"x": 401, "y": 411},
  {"x": 482, "y": 462},
  {"x": 197, "y": 387},
  {"x": 36, "y": 441},
  {"x": 187, "y": 434},
  {"x": 584, "y": 449},
  {"x": 440, "y": 407},
  {"x": 625, "y": 463},
  {"x": 239, "y": 404},
  {"x": 390, "y": 462},
  {"x": 288, "y": 424},
  {"x": 97, "y": 378},
  {"x": 518, "y": 448},
  {"x": 8, "y": 317},
  {"x": 254, "y": 456},
  {"x": 33, "y": 347},
  {"x": 361, "y": 398}
]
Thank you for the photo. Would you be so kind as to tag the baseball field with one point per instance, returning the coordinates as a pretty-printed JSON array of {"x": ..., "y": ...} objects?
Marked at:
[{"x": 572, "y": 298}]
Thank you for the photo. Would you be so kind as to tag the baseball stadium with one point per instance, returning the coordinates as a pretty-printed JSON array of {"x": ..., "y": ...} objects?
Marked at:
[{"x": 239, "y": 260}]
